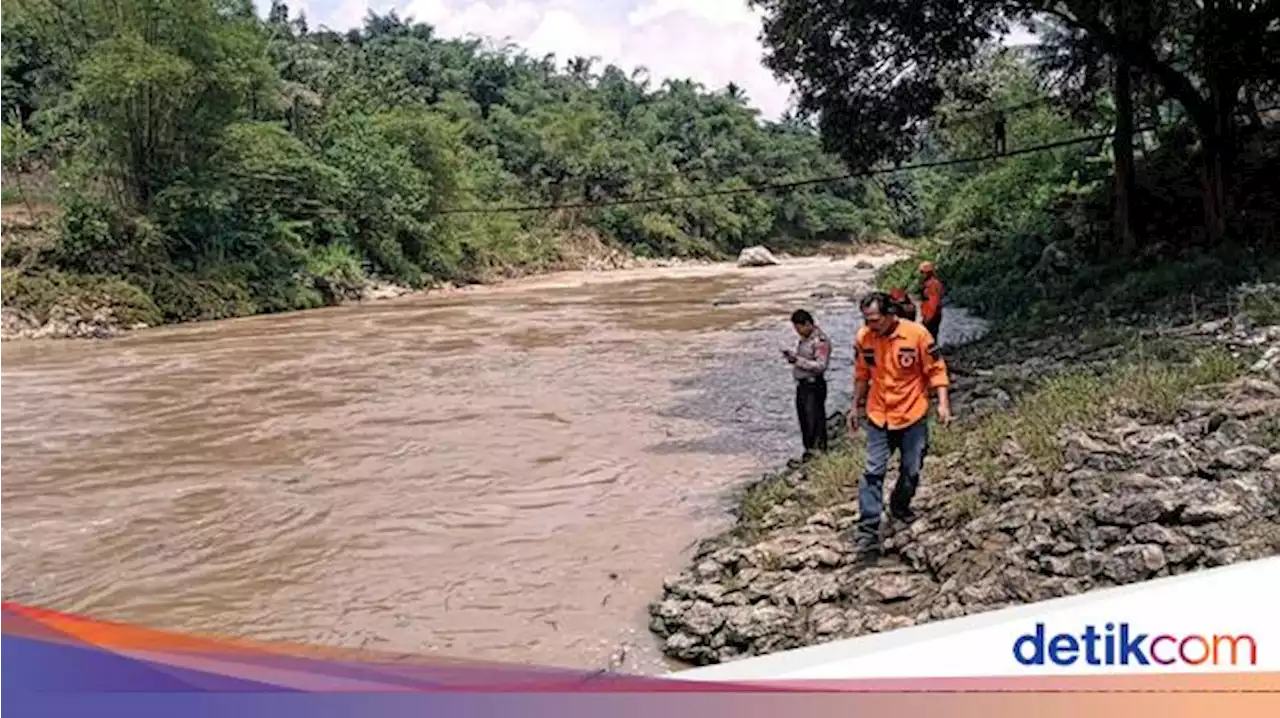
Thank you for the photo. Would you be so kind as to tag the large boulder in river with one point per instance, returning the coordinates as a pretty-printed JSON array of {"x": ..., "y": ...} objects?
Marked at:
[{"x": 756, "y": 257}]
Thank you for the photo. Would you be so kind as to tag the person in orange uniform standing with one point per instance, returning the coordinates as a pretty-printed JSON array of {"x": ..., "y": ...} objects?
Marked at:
[
  {"x": 896, "y": 364},
  {"x": 931, "y": 311}
]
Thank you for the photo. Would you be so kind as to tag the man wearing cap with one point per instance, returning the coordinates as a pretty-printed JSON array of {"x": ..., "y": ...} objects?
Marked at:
[
  {"x": 896, "y": 364},
  {"x": 931, "y": 310}
]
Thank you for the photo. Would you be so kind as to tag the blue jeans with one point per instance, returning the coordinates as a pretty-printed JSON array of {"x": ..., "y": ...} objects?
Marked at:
[{"x": 911, "y": 443}]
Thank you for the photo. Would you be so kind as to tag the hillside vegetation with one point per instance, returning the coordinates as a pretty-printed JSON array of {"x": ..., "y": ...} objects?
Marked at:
[
  {"x": 1167, "y": 190},
  {"x": 1119, "y": 424},
  {"x": 189, "y": 160}
]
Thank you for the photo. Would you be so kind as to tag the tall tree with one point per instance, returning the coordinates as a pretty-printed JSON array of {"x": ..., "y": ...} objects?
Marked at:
[{"x": 870, "y": 69}]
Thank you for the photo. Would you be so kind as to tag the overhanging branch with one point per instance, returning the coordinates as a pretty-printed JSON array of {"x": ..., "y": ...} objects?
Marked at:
[{"x": 1176, "y": 84}]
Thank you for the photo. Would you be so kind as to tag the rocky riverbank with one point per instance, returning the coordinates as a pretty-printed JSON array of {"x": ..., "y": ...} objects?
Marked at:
[
  {"x": 1080, "y": 461},
  {"x": 83, "y": 318},
  {"x": 74, "y": 313}
]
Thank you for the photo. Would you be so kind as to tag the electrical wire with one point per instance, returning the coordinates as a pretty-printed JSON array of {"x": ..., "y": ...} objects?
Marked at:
[
  {"x": 806, "y": 182},
  {"x": 781, "y": 185}
]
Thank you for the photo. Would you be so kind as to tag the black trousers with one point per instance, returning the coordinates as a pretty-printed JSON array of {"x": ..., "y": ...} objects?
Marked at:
[
  {"x": 811, "y": 408},
  {"x": 934, "y": 326}
]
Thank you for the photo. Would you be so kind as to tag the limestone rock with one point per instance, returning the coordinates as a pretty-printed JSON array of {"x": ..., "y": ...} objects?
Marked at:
[{"x": 757, "y": 256}]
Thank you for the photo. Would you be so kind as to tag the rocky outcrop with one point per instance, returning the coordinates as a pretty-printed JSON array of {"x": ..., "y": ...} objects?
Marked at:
[
  {"x": 1133, "y": 499},
  {"x": 374, "y": 291},
  {"x": 63, "y": 323},
  {"x": 99, "y": 322},
  {"x": 756, "y": 257}
]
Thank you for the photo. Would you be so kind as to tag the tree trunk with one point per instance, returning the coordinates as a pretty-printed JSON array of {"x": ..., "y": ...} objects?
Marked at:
[
  {"x": 1123, "y": 147},
  {"x": 1217, "y": 134},
  {"x": 295, "y": 117},
  {"x": 1216, "y": 126}
]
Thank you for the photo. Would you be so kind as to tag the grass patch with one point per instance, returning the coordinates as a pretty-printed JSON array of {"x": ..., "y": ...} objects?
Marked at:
[
  {"x": 829, "y": 479},
  {"x": 1269, "y": 433},
  {"x": 1261, "y": 304},
  {"x": 945, "y": 440},
  {"x": 965, "y": 506},
  {"x": 1148, "y": 381},
  {"x": 832, "y": 476},
  {"x": 1158, "y": 389},
  {"x": 905, "y": 272},
  {"x": 1153, "y": 388},
  {"x": 762, "y": 496}
]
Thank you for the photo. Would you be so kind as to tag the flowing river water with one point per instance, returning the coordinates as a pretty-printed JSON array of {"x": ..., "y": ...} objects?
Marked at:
[{"x": 504, "y": 473}]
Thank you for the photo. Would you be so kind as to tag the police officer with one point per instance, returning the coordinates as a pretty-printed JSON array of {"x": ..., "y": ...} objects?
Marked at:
[{"x": 809, "y": 361}]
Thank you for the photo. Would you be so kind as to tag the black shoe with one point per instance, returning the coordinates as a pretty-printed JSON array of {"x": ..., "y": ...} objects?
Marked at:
[
  {"x": 867, "y": 558},
  {"x": 906, "y": 517},
  {"x": 812, "y": 454},
  {"x": 868, "y": 553}
]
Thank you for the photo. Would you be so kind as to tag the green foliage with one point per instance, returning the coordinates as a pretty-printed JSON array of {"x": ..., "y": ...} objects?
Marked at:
[
  {"x": 260, "y": 166},
  {"x": 158, "y": 81},
  {"x": 1262, "y": 304},
  {"x": 183, "y": 297},
  {"x": 96, "y": 237},
  {"x": 40, "y": 293},
  {"x": 908, "y": 57},
  {"x": 1030, "y": 237}
]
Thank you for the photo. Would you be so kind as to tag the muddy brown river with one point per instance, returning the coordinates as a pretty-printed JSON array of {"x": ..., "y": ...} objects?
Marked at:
[{"x": 506, "y": 473}]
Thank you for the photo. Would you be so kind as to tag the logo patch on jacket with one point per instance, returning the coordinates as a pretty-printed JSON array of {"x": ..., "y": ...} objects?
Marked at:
[{"x": 907, "y": 357}]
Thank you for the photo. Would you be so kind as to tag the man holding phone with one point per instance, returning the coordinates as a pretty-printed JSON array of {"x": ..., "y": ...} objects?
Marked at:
[{"x": 809, "y": 361}]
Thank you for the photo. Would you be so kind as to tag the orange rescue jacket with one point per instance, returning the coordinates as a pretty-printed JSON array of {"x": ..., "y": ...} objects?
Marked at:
[
  {"x": 932, "y": 299},
  {"x": 901, "y": 368}
]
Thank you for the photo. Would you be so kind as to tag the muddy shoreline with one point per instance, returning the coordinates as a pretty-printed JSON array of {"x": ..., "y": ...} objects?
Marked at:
[{"x": 96, "y": 322}]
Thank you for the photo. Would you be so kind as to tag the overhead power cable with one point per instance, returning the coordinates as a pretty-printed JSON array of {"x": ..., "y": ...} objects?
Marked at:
[
  {"x": 806, "y": 182},
  {"x": 779, "y": 185},
  {"x": 996, "y": 111}
]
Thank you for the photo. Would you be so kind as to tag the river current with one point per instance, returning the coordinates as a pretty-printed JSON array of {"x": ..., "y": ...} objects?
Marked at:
[{"x": 501, "y": 473}]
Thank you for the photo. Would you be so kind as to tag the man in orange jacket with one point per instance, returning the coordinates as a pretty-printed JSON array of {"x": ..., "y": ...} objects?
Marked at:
[
  {"x": 931, "y": 310},
  {"x": 896, "y": 363}
]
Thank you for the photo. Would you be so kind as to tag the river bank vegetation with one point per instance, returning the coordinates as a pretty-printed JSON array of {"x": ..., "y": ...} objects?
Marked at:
[
  {"x": 1118, "y": 424},
  {"x": 178, "y": 160},
  {"x": 1159, "y": 174}
]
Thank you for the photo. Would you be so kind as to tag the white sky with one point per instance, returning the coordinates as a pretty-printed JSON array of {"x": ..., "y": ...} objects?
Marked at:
[{"x": 711, "y": 41}]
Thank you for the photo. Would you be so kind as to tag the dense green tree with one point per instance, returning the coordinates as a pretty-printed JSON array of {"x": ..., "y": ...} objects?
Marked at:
[
  {"x": 199, "y": 146},
  {"x": 873, "y": 70}
]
